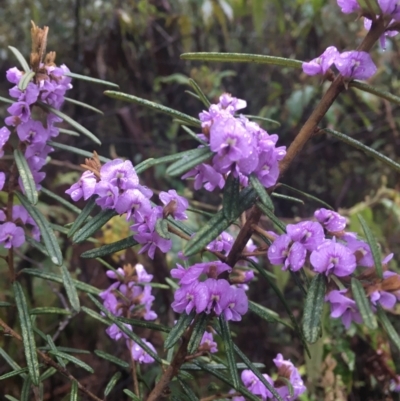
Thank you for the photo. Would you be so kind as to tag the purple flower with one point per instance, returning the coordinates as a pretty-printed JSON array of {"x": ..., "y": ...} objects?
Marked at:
[
  {"x": 14, "y": 75},
  {"x": 119, "y": 173},
  {"x": 152, "y": 241},
  {"x": 236, "y": 304},
  {"x": 355, "y": 65},
  {"x": 331, "y": 220},
  {"x": 138, "y": 353},
  {"x": 177, "y": 204},
  {"x": 21, "y": 110},
  {"x": 230, "y": 103},
  {"x": 84, "y": 187},
  {"x": 207, "y": 343},
  {"x": 2, "y": 180},
  {"x": 187, "y": 276},
  {"x": 291, "y": 255},
  {"x": 386, "y": 299},
  {"x": 333, "y": 258},
  {"x": 32, "y": 131},
  {"x": 382, "y": 39},
  {"x": 11, "y": 235},
  {"x": 4, "y": 136},
  {"x": 108, "y": 194},
  {"x": 223, "y": 243},
  {"x": 348, "y": 6},
  {"x": 344, "y": 307},
  {"x": 193, "y": 296},
  {"x": 207, "y": 175},
  {"x": 253, "y": 384},
  {"x": 321, "y": 64},
  {"x": 361, "y": 251},
  {"x": 307, "y": 233},
  {"x": 267, "y": 170},
  {"x": 115, "y": 333},
  {"x": 133, "y": 200},
  {"x": 218, "y": 291}
]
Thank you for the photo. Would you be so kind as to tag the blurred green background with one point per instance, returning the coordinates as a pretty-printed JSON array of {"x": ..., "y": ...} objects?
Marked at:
[{"x": 137, "y": 44}]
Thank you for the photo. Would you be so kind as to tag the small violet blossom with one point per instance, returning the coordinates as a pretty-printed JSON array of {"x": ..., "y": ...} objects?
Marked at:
[
  {"x": 321, "y": 64},
  {"x": 343, "y": 307},
  {"x": 355, "y": 65}
]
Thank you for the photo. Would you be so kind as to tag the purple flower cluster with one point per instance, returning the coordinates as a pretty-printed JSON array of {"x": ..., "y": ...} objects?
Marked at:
[
  {"x": 388, "y": 7},
  {"x": 213, "y": 295},
  {"x": 328, "y": 249},
  {"x": 351, "y": 64},
  {"x": 117, "y": 187},
  {"x": 11, "y": 235},
  {"x": 49, "y": 88},
  {"x": 240, "y": 147},
  {"x": 130, "y": 296},
  {"x": 286, "y": 372}
]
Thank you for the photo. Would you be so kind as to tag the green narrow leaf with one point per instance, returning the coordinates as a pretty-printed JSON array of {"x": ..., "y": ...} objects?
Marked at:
[
  {"x": 191, "y": 160},
  {"x": 177, "y": 331},
  {"x": 191, "y": 396},
  {"x": 80, "y": 128},
  {"x": 132, "y": 395},
  {"x": 193, "y": 135},
  {"x": 313, "y": 308},
  {"x": 366, "y": 149},
  {"x": 14, "y": 373},
  {"x": 68, "y": 132},
  {"x": 180, "y": 226},
  {"x": 254, "y": 369},
  {"x": 5, "y": 100},
  {"x": 111, "y": 384},
  {"x": 49, "y": 310},
  {"x": 263, "y": 119},
  {"x": 306, "y": 195},
  {"x": 5, "y": 304},
  {"x": 76, "y": 151},
  {"x": 11, "y": 361},
  {"x": 229, "y": 350},
  {"x": 61, "y": 200},
  {"x": 220, "y": 366},
  {"x": 49, "y": 239},
  {"x": 375, "y": 91},
  {"x": 110, "y": 248},
  {"x": 154, "y": 106},
  {"x": 53, "y": 347},
  {"x": 26, "y": 177},
  {"x": 363, "y": 304},
  {"x": 24, "y": 81},
  {"x": 68, "y": 350},
  {"x": 70, "y": 288},
  {"x": 279, "y": 224},
  {"x": 74, "y": 391},
  {"x": 72, "y": 359},
  {"x": 58, "y": 279},
  {"x": 11, "y": 398},
  {"x": 37, "y": 245},
  {"x": 82, "y": 216},
  {"x": 81, "y": 104},
  {"x": 26, "y": 389},
  {"x": 162, "y": 228},
  {"x": 95, "y": 315},
  {"x": 93, "y": 225},
  {"x": 242, "y": 58},
  {"x": 387, "y": 325},
  {"x": 286, "y": 197},
  {"x": 20, "y": 58},
  {"x": 48, "y": 373},
  {"x": 231, "y": 198},
  {"x": 261, "y": 192},
  {"x": 90, "y": 79},
  {"x": 376, "y": 254},
  {"x": 199, "y": 93},
  {"x": 28, "y": 338},
  {"x": 198, "y": 332},
  {"x": 267, "y": 314},
  {"x": 145, "y": 324},
  {"x": 111, "y": 358}
]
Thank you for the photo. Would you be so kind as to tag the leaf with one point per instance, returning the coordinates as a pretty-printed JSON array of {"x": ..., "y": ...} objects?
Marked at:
[
  {"x": 186, "y": 163},
  {"x": 72, "y": 359},
  {"x": 229, "y": 350},
  {"x": 48, "y": 373},
  {"x": 162, "y": 228},
  {"x": 5, "y": 100},
  {"x": 95, "y": 315},
  {"x": 80, "y": 128},
  {"x": 53, "y": 347},
  {"x": 154, "y": 106},
  {"x": 49, "y": 310},
  {"x": 366, "y": 149},
  {"x": 28, "y": 337},
  {"x": 363, "y": 304},
  {"x": 193, "y": 135},
  {"x": 198, "y": 331},
  {"x": 90, "y": 79},
  {"x": 306, "y": 195},
  {"x": 82, "y": 216},
  {"x": 177, "y": 331},
  {"x": 387, "y": 325},
  {"x": 279, "y": 224},
  {"x": 242, "y": 58},
  {"x": 26, "y": 177},
  {"x": 25, "y": 79},
  {"x": 263, "y": 119},
  {"x": 49, "y": 239},
  {"x": 376, "y": 255},
  {"x": 20, "y": 58},
  {"x": 76, "y": 151},
  {"x": 179, "y": 225},
  {"x": 68, "y": 132},
  {"x": 191, "y": 396},
  {"x": 74, "y": 391},
  {"x": 220, "y": 366},
  {"x": 286, "y": 197},
  {"x": 131, "y": 395},
  {"x": 313, "y": 308},
  {"x": 4, "y": 304},
  {"x": 26, "y": 389},
  {"x": 13, "y": 373},
  {"x": 111, "y": 358},
  {"x": 111, "y": 384},
  {"x": 70, "y": 288},
  {"x": 11, "y": 362},
  {"x": 145, "y": 324},
  {"x": 199, "y": 93},
  {"x": 93, "y": 225},
  {"x": 110, "y": 248},
  {"x": 61, "y": 200},
  {"x": 261, "y": 192},
  {"x": 267, "y": 314},
  {"x": 86, "y": 106},
  {"x": 375, "y": 91},
  {"x": 11, "y": 398},
  {"x": 58, "y": 279},
  {"x": 231, "y": 198}
]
